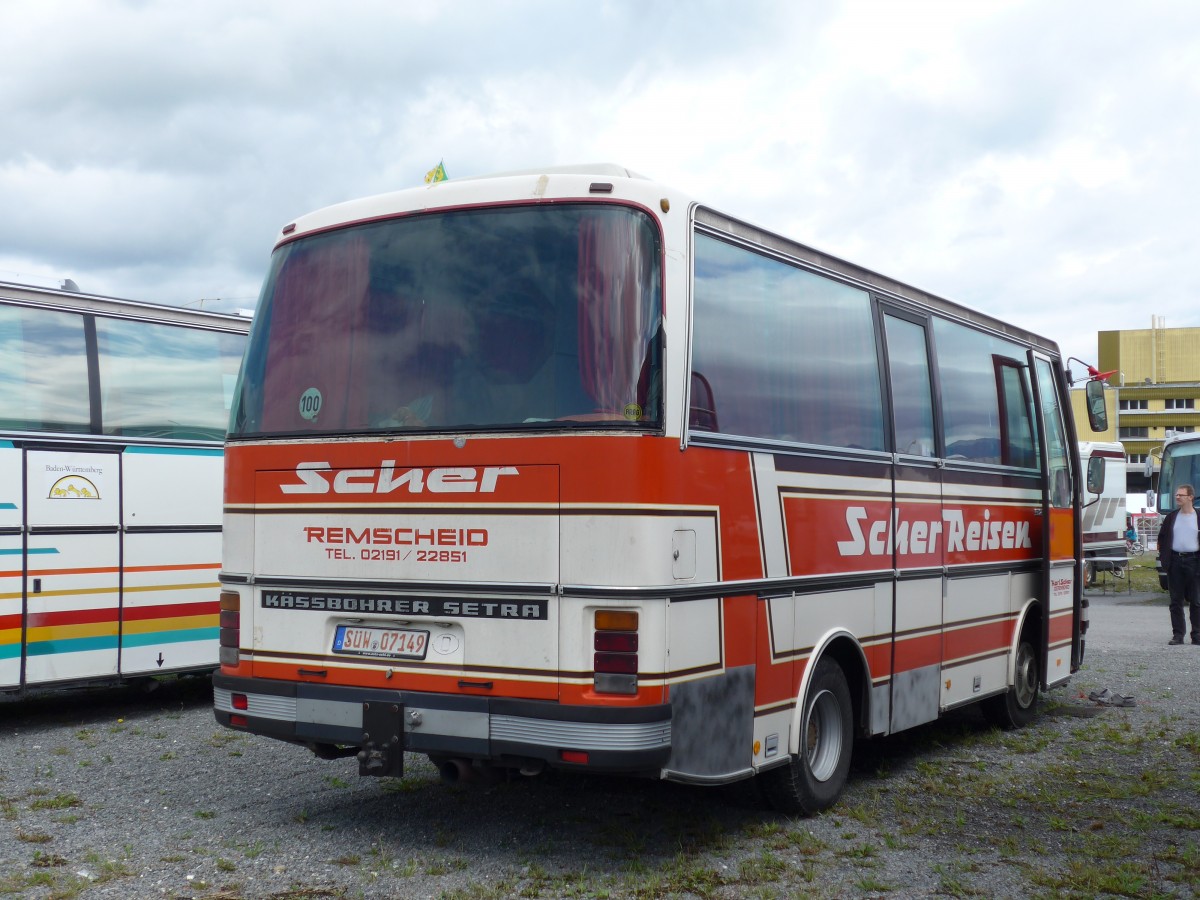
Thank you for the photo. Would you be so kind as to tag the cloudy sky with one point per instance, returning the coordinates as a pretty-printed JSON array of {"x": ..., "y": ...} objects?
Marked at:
[{"x": 1036, "y": 160}]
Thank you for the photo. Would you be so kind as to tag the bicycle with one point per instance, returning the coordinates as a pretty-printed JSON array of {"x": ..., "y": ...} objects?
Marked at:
[{"x": 1134, "y": 548}]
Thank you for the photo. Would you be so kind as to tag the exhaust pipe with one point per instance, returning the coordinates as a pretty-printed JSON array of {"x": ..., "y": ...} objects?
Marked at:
[
  {"x": 457, "y": 771},
  {"x": 463, "y": 771},
  {"x": 331, "y": 751}
]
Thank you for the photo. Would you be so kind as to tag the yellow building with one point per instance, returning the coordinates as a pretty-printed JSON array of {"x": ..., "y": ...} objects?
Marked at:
[{"x": 1155, "y": 390}]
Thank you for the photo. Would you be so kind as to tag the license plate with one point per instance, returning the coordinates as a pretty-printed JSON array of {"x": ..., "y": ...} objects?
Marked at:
[{"x": 384, "y": 643}]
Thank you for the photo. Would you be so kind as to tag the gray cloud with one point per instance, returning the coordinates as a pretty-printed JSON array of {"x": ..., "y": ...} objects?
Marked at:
[{"x": 1028, "y": 159}]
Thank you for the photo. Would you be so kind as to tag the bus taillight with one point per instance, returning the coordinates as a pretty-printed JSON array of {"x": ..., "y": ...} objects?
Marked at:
[
  {"x": 231, "y": 627},
  {"x": 616, "y": 643}
]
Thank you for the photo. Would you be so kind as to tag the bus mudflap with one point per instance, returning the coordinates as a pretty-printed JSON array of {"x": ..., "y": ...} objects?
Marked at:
[{"x": 382, "y": 752}]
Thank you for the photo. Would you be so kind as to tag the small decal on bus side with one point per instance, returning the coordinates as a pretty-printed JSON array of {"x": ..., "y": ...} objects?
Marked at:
[
  {"x": 74, "y": 487},
  {"x": 310, "y": 404}
]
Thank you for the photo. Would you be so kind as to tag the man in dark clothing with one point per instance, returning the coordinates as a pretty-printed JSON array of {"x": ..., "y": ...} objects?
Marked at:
[{"x": 1178, "y": 551}]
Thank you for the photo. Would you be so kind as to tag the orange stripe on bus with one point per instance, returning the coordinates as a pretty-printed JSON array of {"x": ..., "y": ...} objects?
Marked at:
[
  {"x": 113, "y": 589},
  {"x": 62, "y": 632},
  {"x": 78, "y": 592},
  {"x": 100, "y": 570},
  {"x": 205, "y": 585},
  {"x": 176, "y": 568}
]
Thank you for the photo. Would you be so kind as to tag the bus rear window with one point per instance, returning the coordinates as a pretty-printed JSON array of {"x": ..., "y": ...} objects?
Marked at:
[{"x": 537, "y": 316}]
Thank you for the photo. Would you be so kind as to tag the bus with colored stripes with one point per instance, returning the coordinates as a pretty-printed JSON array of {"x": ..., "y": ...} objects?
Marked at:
[
  {"x": 564, "y": 469},
  {"x": 112, "y": 419}
]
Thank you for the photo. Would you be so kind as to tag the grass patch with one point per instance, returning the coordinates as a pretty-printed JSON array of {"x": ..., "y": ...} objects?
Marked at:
[
  {"x": 1093, "y": 876},
  {"x": 765, "y": 867},
  {"x": 58, "y": 801}
]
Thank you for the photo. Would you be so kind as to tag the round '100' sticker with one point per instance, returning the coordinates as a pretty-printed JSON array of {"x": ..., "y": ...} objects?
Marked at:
[{"x": 310, "y": 404}]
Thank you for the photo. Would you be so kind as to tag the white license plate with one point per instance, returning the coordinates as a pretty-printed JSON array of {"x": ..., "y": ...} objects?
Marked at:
[{"x": 385, "y": 643}]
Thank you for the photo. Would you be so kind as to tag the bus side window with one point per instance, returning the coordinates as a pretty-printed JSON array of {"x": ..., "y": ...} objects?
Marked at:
[
  {"x": 1017, "y": 441},
  {"x": 792, "y": 353},
  {"x": 1060, "y": 488},
  {"x": 985, "y": 418},
  {"x": 1056, "y": 444},
  {"x": 160, "y": 380},
  {"x": 912, "y": 399},
  {"x": 43, "y": 371}
]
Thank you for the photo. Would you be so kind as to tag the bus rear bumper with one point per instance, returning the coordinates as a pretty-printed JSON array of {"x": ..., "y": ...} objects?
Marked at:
[{"x": 333, "y": 720}]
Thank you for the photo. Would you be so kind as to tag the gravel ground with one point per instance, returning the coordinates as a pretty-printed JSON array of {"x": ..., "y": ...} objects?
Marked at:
[{"x": 124, "y": 793}]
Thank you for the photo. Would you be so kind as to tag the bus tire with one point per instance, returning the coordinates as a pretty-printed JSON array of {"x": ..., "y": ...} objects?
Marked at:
[
  {"x": 1017, "y": 706},
  {"x": 813, "y": 780}
]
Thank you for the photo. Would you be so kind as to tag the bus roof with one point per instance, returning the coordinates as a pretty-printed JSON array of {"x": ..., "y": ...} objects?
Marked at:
[
  {"x": 76, "y": 301},
  {"x": 867, "y": 278},
  {"x": 1181, "y": 439},
  {"x": 579, "y": 181}
]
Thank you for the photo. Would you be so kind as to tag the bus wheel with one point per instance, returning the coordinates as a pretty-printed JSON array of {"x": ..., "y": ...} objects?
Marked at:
[
  {"x": 813, "y": 780},
  {"x": 1017, "y": 706}
]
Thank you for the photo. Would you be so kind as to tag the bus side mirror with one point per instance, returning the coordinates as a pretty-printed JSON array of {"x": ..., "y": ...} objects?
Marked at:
[
  {"x": 1095, "y": 475},
  {"x": 1097, "y": 412},
  {"x": 702, "y": 416}
]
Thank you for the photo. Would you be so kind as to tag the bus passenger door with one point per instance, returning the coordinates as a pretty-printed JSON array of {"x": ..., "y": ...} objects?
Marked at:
[
  {"x": 915, "y": 645},
  {"x": 170, "y": 557},
  {"x": 12, "y": 554},
  {"x": 1058, "y": 525},
  {"x": 72, "y": 583}
]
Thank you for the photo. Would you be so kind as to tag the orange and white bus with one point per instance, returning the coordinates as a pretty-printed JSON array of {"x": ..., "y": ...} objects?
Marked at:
[
  {"x": 565, "y": 469},
  {"x": 112, "y": 418}
]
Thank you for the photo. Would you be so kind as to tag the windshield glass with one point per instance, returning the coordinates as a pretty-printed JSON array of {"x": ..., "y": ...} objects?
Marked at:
[
  {"x": 471, "y": 319},
  {"x": 1180, "y": 465}
]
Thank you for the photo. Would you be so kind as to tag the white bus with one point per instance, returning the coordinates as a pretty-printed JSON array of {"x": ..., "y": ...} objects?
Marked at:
[
  {"x": 1105, "y": 514},
  {"x": 1180, "y": 465},
  {"x": 112, "y": 419},
  {"x": 564, "y": 469}
]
